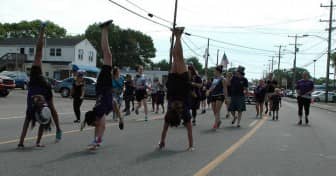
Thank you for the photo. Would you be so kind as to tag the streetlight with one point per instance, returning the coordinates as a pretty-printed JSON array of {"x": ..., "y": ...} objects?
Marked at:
[{"x": 328, "y": 62}]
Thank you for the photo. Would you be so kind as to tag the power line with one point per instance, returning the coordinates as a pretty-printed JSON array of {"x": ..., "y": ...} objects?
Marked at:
[
  {"x": 228, "y": 43},
  {"x": 191, "y": 48},
  {"x": 315, "y": 59},
  {"x": 149, "y": 13},
  {"x": 137, "y": 14}
]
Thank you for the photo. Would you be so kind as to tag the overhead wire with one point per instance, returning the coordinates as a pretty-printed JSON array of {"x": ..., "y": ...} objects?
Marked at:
[
  {"x": 137, "y": 14},
  {"x": 149, "y": 13}
]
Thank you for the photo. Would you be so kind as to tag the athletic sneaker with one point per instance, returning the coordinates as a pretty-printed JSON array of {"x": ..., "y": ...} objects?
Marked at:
[
  {"x": 307, "y": 121},
  {"x": 136, "y": 111},
  {"x": 82, "y": 125},
  {"x": 58, "y": 135},
  {"x": 194, "y": 122},
  {"x": 20, "y": 146},
  {"x": 300, "y": 122},
  {"x": 76, "y": 121}
]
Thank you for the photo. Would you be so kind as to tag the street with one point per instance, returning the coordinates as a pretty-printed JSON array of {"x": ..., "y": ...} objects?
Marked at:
[{"x": 261, "y": 147}]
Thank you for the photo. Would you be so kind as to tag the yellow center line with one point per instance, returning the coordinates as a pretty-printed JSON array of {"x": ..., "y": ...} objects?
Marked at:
[{"x": 222, "y": 157}]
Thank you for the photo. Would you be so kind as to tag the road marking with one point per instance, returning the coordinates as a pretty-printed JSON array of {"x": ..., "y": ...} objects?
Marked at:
[
  {"x": 22, "y": 117},
  {"x": 222, "y": 157},
  {"x": 253, "y": 123},
  {"x": 50, "y": 135},
  {"x": 68, "y": 132}
]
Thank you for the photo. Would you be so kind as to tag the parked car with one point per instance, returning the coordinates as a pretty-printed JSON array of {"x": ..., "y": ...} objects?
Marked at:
[
  {"x": 52, "y": 82},
  {"x": 64, "y": 87},
  {"x": 321, "y": 96},
  {"x": 250, "y": 96},
  {"x": 21, "y": 78},
  {"x": 6, "y": 84}
]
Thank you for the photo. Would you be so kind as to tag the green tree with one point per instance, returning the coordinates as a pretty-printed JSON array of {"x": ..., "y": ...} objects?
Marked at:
[
  {"x": 129, "y": 47},
  {"x": 30, "y": 29},
  {"x": 163, "y": 65},
  {"x": 287, "y": 75},
  {"x": 198, "y": 66}
]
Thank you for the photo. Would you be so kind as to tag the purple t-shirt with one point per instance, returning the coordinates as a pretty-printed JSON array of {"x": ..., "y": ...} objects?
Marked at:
[{"x": 304, "y": 86}]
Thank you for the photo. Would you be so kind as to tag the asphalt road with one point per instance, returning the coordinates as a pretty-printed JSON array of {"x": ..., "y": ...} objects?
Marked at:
[{"x": 260, "y": 147}]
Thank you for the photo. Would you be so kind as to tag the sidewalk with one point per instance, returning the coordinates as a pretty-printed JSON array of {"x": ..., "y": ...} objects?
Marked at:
[{"x": 326, "y": 106}]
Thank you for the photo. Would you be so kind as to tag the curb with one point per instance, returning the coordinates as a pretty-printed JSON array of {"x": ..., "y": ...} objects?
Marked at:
[{"x": 313, "y": 105}]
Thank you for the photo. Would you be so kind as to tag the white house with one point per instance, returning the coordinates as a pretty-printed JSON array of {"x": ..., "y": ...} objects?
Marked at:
[{"x": 58, "y": 55}]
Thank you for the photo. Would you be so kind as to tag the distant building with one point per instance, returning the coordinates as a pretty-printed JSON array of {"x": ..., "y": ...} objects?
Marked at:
[
  {"x": 58, "y": 56},
  {"x": 150, "y": 74}
]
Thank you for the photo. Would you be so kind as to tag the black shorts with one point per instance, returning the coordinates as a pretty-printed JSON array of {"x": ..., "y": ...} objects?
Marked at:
[
  {"x": 217, "y": 98},
  {"x": 140, "y": 94},
  {"x": 183, "y": 115}
]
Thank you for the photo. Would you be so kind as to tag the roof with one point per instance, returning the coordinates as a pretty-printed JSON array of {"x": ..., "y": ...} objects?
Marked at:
[{"x": 50, "y": 41}]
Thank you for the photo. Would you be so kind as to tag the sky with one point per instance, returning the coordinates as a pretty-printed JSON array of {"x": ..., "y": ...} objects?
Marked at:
[{"x": 234, "y": 27}]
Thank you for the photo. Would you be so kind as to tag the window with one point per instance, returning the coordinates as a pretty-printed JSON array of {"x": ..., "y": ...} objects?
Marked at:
[
  {"x": 52, "y": 51},
  {"x": 58, "y": 52},
  {"x": 91, "y": 56},
  {"x": 22, "y": 51},
  {"x": 31, "y": 51},
  {"x": 80, "y": 54},
  {"x": 89, "y": 81}
]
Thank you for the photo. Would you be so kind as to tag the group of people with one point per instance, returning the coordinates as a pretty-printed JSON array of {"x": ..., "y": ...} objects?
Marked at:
[
  {"x": 185, "y": 90},
  {"x": 267, "y": 94}
]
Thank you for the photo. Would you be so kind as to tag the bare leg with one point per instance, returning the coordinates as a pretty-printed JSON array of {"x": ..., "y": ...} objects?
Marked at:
[
  {"x": 39, "y": 47},
  {"x": 163, "y": 135},
  {"x": 106, "y": 47},
  {"x": 144, "y": 101},
  {"x": 39, "y": 135},
  {"x": 190, "y": 136},
  {"x": 239, "y": 118},
  {"x": 178, "y": 66},
  {"x": 24, "y": 131},
  {"x": 257, "y": 108}
]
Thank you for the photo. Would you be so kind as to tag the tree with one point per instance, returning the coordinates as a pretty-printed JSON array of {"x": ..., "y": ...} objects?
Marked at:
[
  {"x": 198, "y": 66},
  {"x": 288, "y": 75},
  {"x": 30, "y": 29},
  {"x": 129, "y": 48},
  {"x": 333, "y": 64},
  {"x": 163, "y": 65}
]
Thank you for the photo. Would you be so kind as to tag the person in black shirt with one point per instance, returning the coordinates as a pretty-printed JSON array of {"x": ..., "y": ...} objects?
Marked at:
[
  {"x": 77, "y": 93},
  {"x": 39, "y": 92},
  {"x": 178, "y": 92},
  {"x": 260, "y": 93},
  {"x": 238, "y": 89},
  {"x": 270, "y": 88},
  {"x": 104, "y": 103},
  {"x": 129, "y": 94},
  {"x": 276, "y": 103},
  {"x": 196, "y": 83},
  {"x": 228, "y": 98}
]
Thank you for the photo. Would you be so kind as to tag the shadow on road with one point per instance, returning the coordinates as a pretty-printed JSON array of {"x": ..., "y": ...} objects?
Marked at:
[{"x": 156, "y": 154}]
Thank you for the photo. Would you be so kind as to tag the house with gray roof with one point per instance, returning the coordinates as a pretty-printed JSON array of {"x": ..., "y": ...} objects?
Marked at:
[{"x": 58, "y": 55}]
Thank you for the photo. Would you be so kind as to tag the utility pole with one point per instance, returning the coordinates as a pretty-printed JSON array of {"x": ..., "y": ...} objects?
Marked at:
[
  {"x": 279, "y": 61},
  {"x": 296, "y": 49},
  {"x": 172, "y": 36},
  {"x": 314, "y": 69},
  {"x": 217, "y": 56},
  {"x": 331, "y": 6},
  {"x": 206, "y": 60}
]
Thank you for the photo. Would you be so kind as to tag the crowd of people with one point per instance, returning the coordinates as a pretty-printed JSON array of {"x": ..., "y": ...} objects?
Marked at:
[{"x": 184, "y": 90}]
